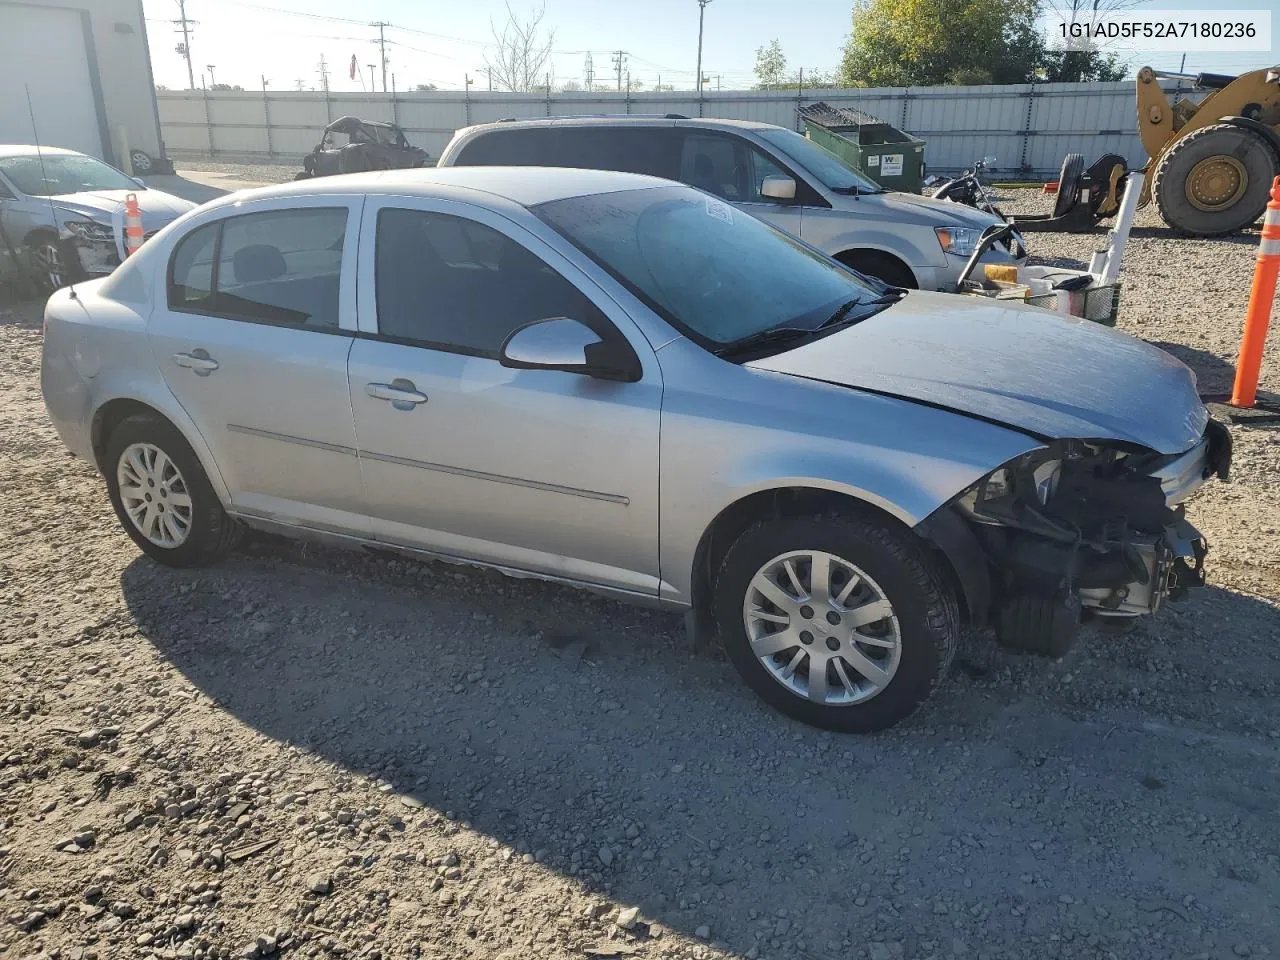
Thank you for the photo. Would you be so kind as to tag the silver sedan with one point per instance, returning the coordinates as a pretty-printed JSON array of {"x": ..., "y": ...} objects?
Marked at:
[{"x": 624, "y": 384}]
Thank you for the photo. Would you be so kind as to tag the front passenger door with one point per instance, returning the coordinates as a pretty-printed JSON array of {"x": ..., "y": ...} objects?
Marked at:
[
  {"x": 538, "y": 470},
  {"x": 732, "y": 169}
]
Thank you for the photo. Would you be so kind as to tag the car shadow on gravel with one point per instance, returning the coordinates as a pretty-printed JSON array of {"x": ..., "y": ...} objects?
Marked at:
[{"x": 587, "y": 734}]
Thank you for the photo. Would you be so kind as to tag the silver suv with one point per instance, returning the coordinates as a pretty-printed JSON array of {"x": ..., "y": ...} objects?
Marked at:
[{"x": 770, "y": 172}]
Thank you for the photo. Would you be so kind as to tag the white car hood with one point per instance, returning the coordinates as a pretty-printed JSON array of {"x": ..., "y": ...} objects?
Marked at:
[{"x": 1049, "y": 376}]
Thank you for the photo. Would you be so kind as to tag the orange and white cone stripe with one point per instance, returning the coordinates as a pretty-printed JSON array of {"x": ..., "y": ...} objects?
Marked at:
[
  {"x": 132, "y": 224},
  {"x": 1257, "y": 316}
]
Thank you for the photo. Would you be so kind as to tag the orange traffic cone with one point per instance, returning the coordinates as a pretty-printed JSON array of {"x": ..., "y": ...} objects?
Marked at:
[
  {"x": 132, "y": 224},
  {"x": 1258, "y": 314}
]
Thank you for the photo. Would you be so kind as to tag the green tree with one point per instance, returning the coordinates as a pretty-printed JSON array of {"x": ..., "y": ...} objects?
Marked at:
[
  {"x": 897, "y": 43},
  {"x": 771, "y": 65}
]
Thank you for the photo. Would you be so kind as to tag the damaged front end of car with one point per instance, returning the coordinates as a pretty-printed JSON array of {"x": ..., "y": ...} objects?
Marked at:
[{"x": 1083, "y": 528}]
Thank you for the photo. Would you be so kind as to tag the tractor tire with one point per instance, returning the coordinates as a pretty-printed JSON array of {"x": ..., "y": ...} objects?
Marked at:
[
  {"x": 1215, "y": 181},
  {"x": 1068, "y": 184}
]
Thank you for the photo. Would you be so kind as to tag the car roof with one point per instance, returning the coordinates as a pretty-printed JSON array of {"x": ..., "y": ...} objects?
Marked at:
[
  {"x": 625, "y": 120},
  {"x": 31, "y": 150},
  {"x": 527, "y": 186}
]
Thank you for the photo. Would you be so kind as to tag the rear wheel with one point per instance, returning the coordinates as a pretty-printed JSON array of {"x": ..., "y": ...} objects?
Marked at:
[
  {"x": 839, "y": 621},
  {"x": 1215, "y": 180},
  {"x": 162, "y": 496},
  {"x": 882, "y": 266}
]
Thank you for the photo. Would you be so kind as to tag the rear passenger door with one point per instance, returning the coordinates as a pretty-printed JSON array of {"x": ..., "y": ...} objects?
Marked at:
[
  {"x": 253, "y": 338},
  {"x": 733, "y": 169}
]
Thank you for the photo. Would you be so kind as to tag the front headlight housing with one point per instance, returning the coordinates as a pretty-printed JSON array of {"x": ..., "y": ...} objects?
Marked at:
[
  {"x": 959, "y": 241},
  {"x": 90, "y": 231}
]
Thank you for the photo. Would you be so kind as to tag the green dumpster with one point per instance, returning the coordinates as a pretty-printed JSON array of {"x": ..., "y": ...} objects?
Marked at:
[{"x": 891, "y": 158}]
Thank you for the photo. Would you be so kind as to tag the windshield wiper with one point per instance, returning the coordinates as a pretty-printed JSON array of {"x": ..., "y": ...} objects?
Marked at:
[{"x": 763, "y": 337}]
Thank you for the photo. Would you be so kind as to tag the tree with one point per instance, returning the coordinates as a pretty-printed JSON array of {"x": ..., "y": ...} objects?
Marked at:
[
  {"x": 771, "y": 64},
  {"x": 225, "y": 86},
  {"x": 161, "y": 87},
  {"x": 425, "y": 87},
  {"x": 523, "y": 50},
  {"x": 570, "y": 86},
  {"x": 898, "y": 43}
]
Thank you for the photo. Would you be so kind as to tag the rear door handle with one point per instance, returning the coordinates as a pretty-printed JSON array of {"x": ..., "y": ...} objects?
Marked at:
[
  {"x": 197, "y": 360},
  {"x": 401, "y": 393}
]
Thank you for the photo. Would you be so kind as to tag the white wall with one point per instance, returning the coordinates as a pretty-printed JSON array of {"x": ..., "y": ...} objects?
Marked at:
[
  {"x": 117, "y": 63},
  {"x": 1027, "y": 128}
]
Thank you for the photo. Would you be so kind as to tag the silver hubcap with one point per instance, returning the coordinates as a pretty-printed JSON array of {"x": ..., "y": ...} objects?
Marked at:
[
  {"x": 822, "y": 628},
  {"x": 154, "y": 494}
]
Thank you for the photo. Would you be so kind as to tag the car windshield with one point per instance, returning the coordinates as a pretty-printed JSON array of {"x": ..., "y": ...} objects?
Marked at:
[
  {"x": 715, "y": 272},
  {"x": 821, "y": 162},
  {"x": 61, "y": 174}
]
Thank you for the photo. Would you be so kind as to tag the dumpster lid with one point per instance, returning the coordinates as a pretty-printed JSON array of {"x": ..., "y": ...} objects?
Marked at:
[{"x": 825, "y": 115}]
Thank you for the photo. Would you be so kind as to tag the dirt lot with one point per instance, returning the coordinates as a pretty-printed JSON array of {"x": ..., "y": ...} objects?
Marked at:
[{"x": 325, "y": 754}]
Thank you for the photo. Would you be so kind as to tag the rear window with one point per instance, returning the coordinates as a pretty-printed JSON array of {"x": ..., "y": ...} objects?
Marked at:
[
  {"x": 280, "y": 267},
  {"x": 650, "y": 150}
]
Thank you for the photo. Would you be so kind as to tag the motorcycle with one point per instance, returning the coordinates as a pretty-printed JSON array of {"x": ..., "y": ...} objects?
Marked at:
[{"x": 969, "y": 189}]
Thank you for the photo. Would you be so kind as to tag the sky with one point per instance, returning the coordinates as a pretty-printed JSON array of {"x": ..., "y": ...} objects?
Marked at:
[{"x": 431, "y": 41}]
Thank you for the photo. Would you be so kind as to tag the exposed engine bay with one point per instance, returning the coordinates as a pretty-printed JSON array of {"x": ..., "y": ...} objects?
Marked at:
[{"x": 1088, "y": 527}]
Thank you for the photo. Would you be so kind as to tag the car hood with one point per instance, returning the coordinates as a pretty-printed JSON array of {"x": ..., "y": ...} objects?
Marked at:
[
  {"x": 1050, "y": 376},
  {"x": 157, "y": 207},
  {"x": 911, "y": 208}
]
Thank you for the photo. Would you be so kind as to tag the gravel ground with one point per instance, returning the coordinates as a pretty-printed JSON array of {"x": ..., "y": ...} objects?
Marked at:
[{"x": 320, "y": 753}]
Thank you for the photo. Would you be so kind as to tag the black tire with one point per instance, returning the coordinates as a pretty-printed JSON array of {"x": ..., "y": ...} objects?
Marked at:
[
  {"x": 1068, "y": 184},
  {"x": 141, "y": 162},
  {"x": 881, "y": 265},
  {"x": 47, "y": 264},
  {"x": 212, "y": 534},
  {"x": 926, "y": 608},
  {"x": 1169, "y": 186}
]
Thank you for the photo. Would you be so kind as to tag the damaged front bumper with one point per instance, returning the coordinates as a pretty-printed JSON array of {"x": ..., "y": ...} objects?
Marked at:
[{"x": 1085, "y": 525}]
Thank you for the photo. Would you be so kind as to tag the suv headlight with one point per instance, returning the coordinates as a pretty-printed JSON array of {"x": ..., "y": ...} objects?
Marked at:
[
  {"x": 90, "y": 230},
  {"x": 958, "y": 240}
]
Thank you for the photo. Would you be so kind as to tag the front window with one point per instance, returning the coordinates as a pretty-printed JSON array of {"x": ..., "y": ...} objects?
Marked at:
[
  {"x": 715, "y": 272},
  {"x": 59, "y": 174},
  {"x": 821, "y": 162}
]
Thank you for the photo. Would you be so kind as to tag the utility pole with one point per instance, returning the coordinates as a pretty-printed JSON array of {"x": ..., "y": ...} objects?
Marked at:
[
  {"x": 212, "y": 82},
  {"x": 324, "y": 74},
  {"x": 184, "y": 48},
  {"x": 619, "y": 61},
  {"x": 589, "y": 72},
  {"x": 372, "y": 86},
  {"x": 299, "y": 84},
  {"x": 702, "y": 9},
  {"x": 382, "y": 48}
]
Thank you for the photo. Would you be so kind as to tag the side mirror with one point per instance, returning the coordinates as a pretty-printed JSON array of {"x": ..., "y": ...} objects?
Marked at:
[
  {"x": 778, "y": 188},
  {"x": 139, "y": 181},
  {"x": 559, "y": 343}
]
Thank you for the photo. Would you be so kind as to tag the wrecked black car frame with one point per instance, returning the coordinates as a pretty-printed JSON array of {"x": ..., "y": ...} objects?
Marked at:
[{"x": 352, "y": 145}]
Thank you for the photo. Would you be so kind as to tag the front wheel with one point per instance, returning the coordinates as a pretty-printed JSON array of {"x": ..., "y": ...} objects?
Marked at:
[
  {"x": 841, "y": 622},
  {"x": 162, "y": 496},
  {"x": 48, "y": 265}
]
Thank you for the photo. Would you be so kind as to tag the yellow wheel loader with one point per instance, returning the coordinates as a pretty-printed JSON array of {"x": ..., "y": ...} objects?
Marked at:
[{"x": 1212, "y": 163}]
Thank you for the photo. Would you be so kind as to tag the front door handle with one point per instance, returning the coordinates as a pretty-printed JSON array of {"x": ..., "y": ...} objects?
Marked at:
[
  {"x": 197, "y": 360},
  {"x": 401, "y": 393}
]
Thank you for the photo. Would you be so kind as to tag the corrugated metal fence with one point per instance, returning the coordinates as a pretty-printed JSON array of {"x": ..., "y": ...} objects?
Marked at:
[{"x": 1028, "y": 128}]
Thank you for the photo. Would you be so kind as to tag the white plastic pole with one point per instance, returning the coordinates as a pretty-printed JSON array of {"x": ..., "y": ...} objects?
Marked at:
[{"x": 1118, "y": 238}]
